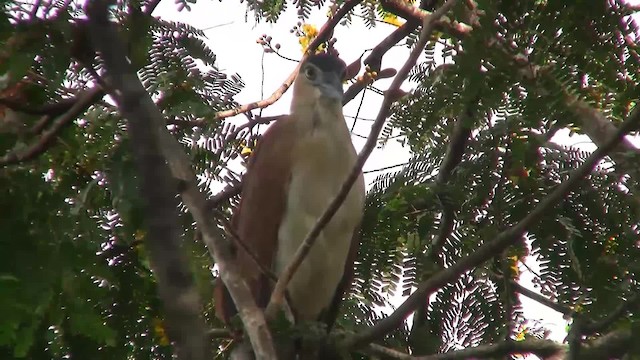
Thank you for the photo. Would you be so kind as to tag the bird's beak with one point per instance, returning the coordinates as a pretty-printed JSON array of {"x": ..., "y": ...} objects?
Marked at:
[{"x": 331, "y": 87}]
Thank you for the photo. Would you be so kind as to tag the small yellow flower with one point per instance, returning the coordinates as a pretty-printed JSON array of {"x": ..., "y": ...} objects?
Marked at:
[
  {"x": 522, "y": 334},
  {"x": 392, "y": 19},
  {"x": 139, "y": 235},
  {"x": 246, "y": 151},
  {"x": 514, "y": 264},
  {"x": 310, "y": 32},
  {"x": 160, "y": 332}
]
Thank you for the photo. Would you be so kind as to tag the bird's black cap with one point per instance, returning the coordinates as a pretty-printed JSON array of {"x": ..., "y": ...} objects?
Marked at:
[{"x": 328, "y": 63}]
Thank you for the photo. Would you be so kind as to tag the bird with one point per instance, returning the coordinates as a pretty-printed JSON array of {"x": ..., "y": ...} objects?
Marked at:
[{"x": 295, "y": 171}]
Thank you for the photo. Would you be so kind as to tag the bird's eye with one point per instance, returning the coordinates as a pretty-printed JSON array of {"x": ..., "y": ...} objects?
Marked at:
[{"x": 310, "y": 73}]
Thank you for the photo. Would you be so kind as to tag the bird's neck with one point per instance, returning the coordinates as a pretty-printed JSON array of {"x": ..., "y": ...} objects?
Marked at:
[{"x": 319, "y": 114}]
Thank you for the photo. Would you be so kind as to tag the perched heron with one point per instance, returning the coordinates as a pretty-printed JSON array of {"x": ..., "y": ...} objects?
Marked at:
[{"x": 294, "y": 173}]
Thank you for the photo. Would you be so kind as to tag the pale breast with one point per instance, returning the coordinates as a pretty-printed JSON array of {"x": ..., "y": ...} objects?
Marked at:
[{"x": 317, "y": 177}]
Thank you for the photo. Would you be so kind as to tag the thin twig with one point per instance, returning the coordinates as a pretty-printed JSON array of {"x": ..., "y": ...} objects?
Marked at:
[
  {"x": 325, "y": 31},
  {"x": 224, "y": 195},
  {"x": 374, "y": 60},
  {"x": 34, "y": 10},
  {"x": 150, "y": 6},
  {"x": 563, "y": 309},
  {"x": 236, "y": 238},
  {"x": 386, "y": 167},
  {"x": 277, "y": 295},
  {"x": 355, "y": 118},
  {"x": 455, "y": 150}
]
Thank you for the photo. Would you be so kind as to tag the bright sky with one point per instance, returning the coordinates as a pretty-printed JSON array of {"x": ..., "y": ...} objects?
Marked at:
[{"x": 232, "y": 35}]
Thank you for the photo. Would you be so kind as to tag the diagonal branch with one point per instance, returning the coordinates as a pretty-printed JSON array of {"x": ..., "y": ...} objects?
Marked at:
[
  {"x": 615, "y": 315},
  {"x": 563, "y": 309},
  {"x": 186, "y": 325},
  {"x": 374, "y": 60},
  {"x": 428, "y": 26},
  {"x": 47, "y": 138},
  {"x": 501, "y": 242},
  {"x": 324, "y": 34}
]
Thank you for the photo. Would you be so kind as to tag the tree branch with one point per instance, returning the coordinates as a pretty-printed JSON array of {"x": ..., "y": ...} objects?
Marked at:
[
  {"x": 324, "y": 34},
  {"x": 374, "y": 60},
  {"x": 453, "y": 157},
  {"x": 501, "y": 242},
  {"x": 565, "y": 310},
  {"x": 614, "y": 344},
  {"x": 386, "y": 353},
  {"x": 224, "y": 195},
  {"x": 614, "y": 316},
  {"x": 277, "y": 295},
  {"x": 83, "y": 101},
  {"x": 169, "y": 262},
  {"x": 186, "y": 326},
  {"x": 54, "y": 109},
  {"x": 541, "y": 348},
  {"x": 594, "y": 124}
]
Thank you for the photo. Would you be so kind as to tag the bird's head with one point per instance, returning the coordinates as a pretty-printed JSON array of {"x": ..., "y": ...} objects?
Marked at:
[{"x": 320, "y": 80}]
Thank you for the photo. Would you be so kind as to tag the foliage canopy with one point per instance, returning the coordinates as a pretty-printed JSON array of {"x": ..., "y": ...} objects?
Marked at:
[{"x": 75, "y": 277}]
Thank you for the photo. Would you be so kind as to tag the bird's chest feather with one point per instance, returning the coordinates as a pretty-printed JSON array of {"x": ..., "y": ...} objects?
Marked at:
[{"x": 325, "y": 158}]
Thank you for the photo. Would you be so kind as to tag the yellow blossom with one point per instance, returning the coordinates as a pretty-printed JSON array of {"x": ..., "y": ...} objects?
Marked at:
[
  {"x": 160, "y": 332},
  {"x": 392, "y": 19},
  {"x": 521, "y": 335},
  {"x": 139, "y": 235},
  {"x": 514, "y": 265},
  {"x": 310, "y": 32}
]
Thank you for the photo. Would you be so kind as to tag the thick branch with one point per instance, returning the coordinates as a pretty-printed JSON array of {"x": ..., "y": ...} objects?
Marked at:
[
  {"x": 495, "y": 246},
  {"x": 186, "y": 326},
  {"x": 611, "y": 345},
  {"x": 278, "y": 293},
  {"x": 541, "y": 348},
  {"x": 158, "y": 188}
]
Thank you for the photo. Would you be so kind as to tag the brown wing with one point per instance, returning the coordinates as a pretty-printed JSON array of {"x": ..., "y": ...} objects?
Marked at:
[{"x": 258, "y": 216}]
